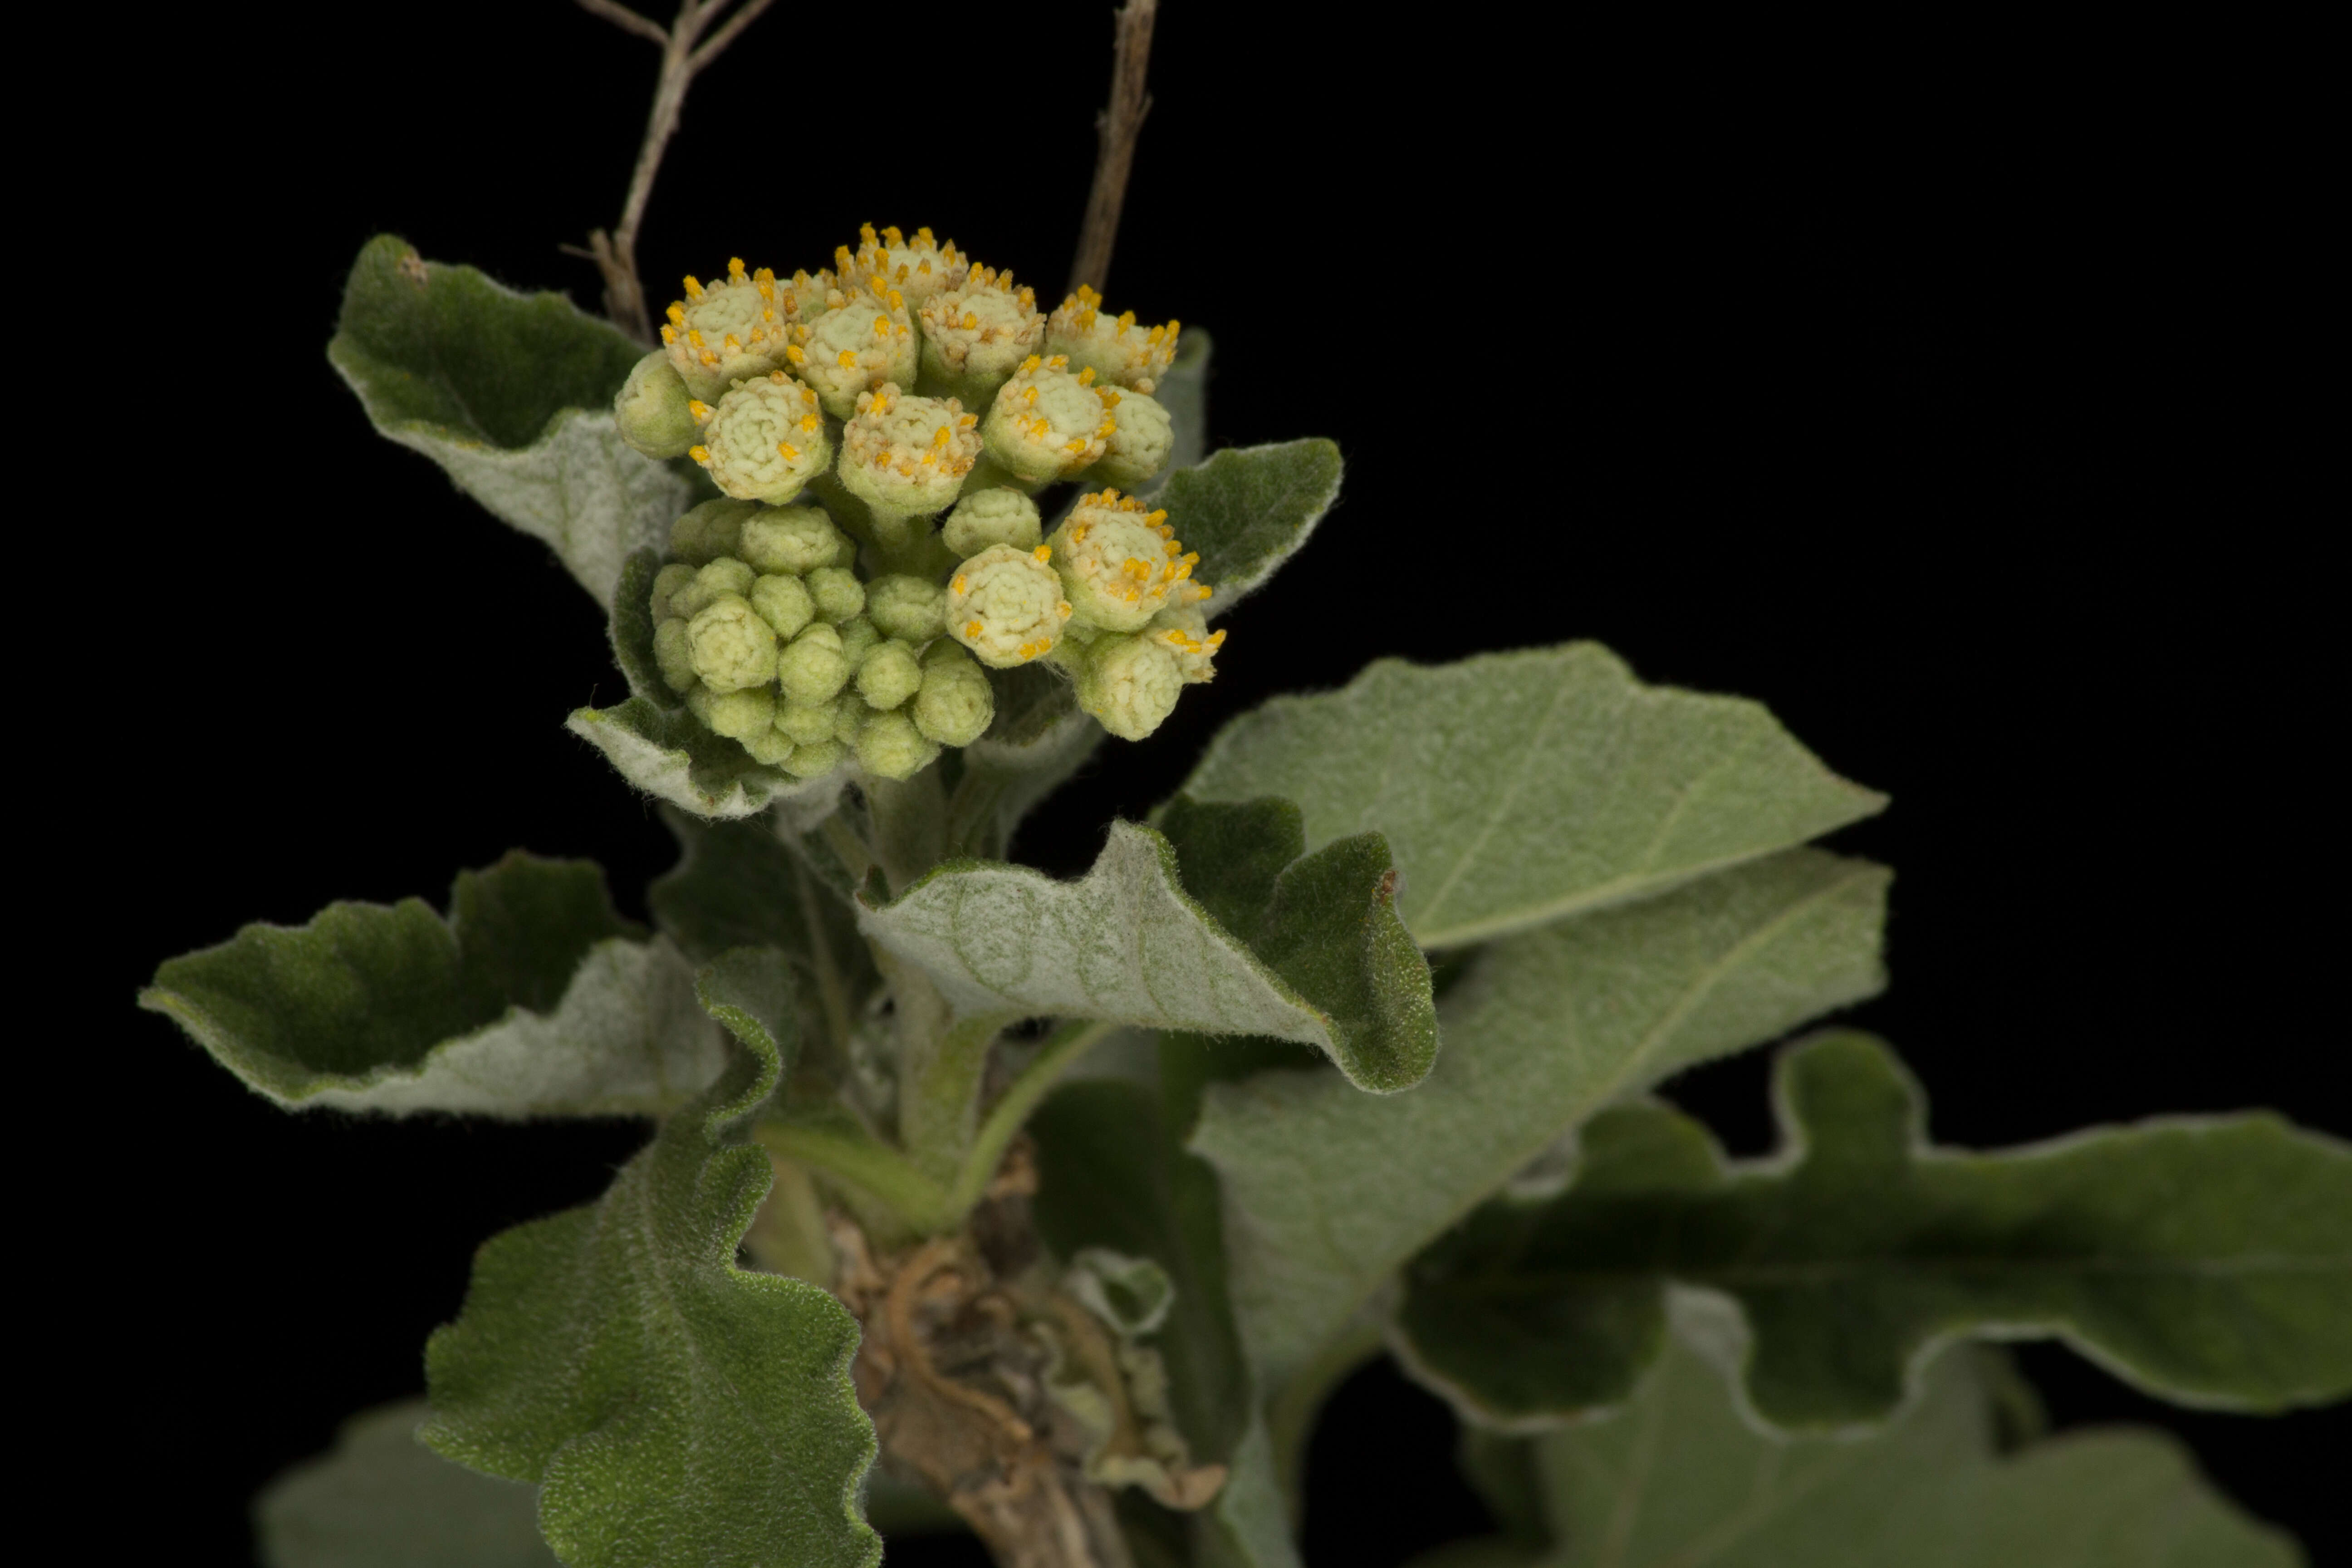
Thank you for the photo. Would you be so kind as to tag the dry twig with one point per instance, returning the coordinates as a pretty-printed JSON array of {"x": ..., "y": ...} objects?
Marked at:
[
  {"x": 1114, "y": 130},
  {"x": 686, "y": 53}
]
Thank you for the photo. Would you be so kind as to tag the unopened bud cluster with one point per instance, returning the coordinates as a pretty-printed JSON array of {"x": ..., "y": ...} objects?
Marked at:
[{"x": 877, "y": 429}]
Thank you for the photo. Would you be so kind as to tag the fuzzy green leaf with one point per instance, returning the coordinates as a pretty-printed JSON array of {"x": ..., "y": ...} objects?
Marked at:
[
  {"x": 1127, "y": 943},
  {"x": 675, "y": 1407},
  {"x": 533, "y": 998},
  {"x": 1248, "y": 510},
  {"x": 513, "y": 395},
  {"x": 383, "y": 1499},
  {"x": 631, "y": 629},
  {"x": 1327, "y": 1192},
  {"x": 1679, "y": 1479},
  {"x": 1523, "y": 788},
  {"x": 2205, "y": 1259},
  {"x": 671, "y": 756}
]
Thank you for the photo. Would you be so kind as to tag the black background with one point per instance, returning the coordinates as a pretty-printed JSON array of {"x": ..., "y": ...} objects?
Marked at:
[{"x": 1901, "y": 382}]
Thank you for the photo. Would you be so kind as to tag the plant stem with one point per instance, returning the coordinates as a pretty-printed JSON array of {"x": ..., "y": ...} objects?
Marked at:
[
  {"x": 839, "y": 1147},
  {"x": 1115, "y": 131},
  {"x": 1063, "y": 1048}
]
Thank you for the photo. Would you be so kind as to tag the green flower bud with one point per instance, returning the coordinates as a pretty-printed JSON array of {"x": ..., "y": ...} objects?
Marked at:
[
  {"x": 710, "y": 531},
  {"x": 1130, "y": 684},
  {"x": 809, "y": 723},
  {"x": 849, "y": 715},
  {"x": 975, "y": 336},
  {"x": 741, "y": 715},
  {"x": 764, "y": 440},
  {"x": 821, "y": 757},
  {"x": 794, "y": 539},
  {"x": 1184, "y": 632},
  {"x": 674, "y": 654},
  {"x": 783, "y": 603},
  {"x": 890, "y": 675},
  {"x": 1000, "y": 515},
  {"x": 1139, "y": 447},
  {"x": 730, "y": 331},
  {"x": 1115, "y": 350},
  {"x": 837, "y": 591},
  {"x": 956, "y": 705},
  {"x": 908, "y": 608},
  {"x": 669, "y": 582},
  {"x": 1045, "y": 422},
  {"x": 890, "y": 747},
  {"x": 723, "y": 576},
  {"x": 1006, "y": 606},
  {"x": 811, "y": 669},
  {"x": 769, "y": 746},
  {"x": 908, "y": 456},
  {"x": 730, "y": 646},
  {"x": 858, "y": 638},
  {"x": 918, "y": 269},
  {"x": 862, "y": 342},
  {"x": 1122, "y": 563},
  {"x": 652, "y": 412}
]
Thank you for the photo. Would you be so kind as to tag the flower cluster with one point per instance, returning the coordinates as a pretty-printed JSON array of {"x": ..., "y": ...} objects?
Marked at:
[{"x": 878, "y": 430}]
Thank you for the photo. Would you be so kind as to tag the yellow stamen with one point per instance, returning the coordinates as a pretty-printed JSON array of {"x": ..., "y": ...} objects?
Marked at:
[
  {"x": 1042, "y": 552},
  {"x": 973, "y": 628},
  {"x": 792, "y": 453},
  {"x": 958, "y": 585},
  {"x": 699, "y": 454},
  {"x": 693, "y": 286},
  {"x": 848, "y": 360},
  {"x": 792, "y": 352}
]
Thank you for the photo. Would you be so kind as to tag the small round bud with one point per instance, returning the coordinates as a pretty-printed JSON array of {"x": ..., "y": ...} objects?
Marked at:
[
  {"x": 956, "y": 705},
  {"x": 918, "y": 269},
  {"x": 858, "y": 639},
  {"x": 668, "y": 583},
  {"x": 1135, "y": 452},
  {"x": 730, "y": 645},
  {"x": 794, "y": 539},
  {"x": 769, "y": 746},
  {"x": 783, "y": 603},
  {"x": 890, "y": 747},
  {"x": 837, "y": 591},
  {"x": 723, "y": 576},
  {"x": 861, "y": 344},
  {"x": 1114, "y": 348},
  {"x": 1006, "y": 606},
  {"x": 764, "y": 440},
  {"x": 730, "y": 331},
  {"x": 849, "y": 716},
  {"x": 740, "y": 715},
  {"x": 907, "y": 454},
  {"x": 652, "y": 412},
  {"x": 890, "y": 675},
  {"x": 1130, "y": 684},
  {"x": 908, "y": 608},
  {"x": 998, "y": 515},
  {"x": 976, "y": 336},
  {"x": 1121, "y": 563},
  {"x": 710, "y": 531},
  {"x": 674, "y": 655},
  {"x": 811, "y": 669},
  {"x": 809, "y": 723},
  {"x": 1045, "y": 422},
  {"x": 1181, "y": 630},
  {"x": 808, "y": 760}
]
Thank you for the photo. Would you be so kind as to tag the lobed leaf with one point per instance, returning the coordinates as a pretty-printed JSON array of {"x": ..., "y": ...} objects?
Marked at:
[
  {"x": 383, "y": 1499},
  {"x": 1523, "y": 788},
  {"x": 1328, "y": 1192},
  {"x": 2205, "y": 1259},
  {"x": 675, "y": 1407},
  {"x": 1246, "y": 510},
  {"x": 1679, "y": 1479},
  {"x": 533, "y": 998},
  {"x": 513, "y": 395}
]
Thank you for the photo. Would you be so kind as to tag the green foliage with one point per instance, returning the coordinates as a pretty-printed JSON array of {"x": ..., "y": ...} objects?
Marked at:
[
  {"x": 1184, "y": 393},
  {"x": 1247, "y": 510},
  {"x": 534, "y": 998},
  {"x": 511, "y": 393},
  {"x": 675, "y": 1407},
  {"x": 1522, "y": 788},
  {"x": 1678, "y": 1478},
  {"x": 671, "y": 757},
  {"x": 2208, "y": 1260},
  {"x": 383, "y": 1499},
  {"x": 1329, "y": 1192}
]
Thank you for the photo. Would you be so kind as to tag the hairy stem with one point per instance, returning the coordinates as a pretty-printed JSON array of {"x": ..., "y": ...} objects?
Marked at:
[
  {"x": 1114, "y": 130},
  {"x": 1062, "y": 1049}
]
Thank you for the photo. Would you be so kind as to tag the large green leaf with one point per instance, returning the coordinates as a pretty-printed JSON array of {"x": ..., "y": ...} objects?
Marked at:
[
  {"x": 1328, "y": 1192},
  {"x": 1324, "y": 963},
  {"x": 675, "y": 1407},
  {"x": 1679, "y": 1479},
  {"x": 2206, "y": 1260},
  {"x": 1522, "y": 788},
  {"x": 383, "y": 1499},
  {"x": 513, "y": 395},
  {"x": 533, "y": 998},
  {"x": 1248, "y": 510}
]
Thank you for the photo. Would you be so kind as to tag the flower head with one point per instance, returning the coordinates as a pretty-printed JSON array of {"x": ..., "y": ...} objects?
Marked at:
[{"x": 1114, "y": 347}]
